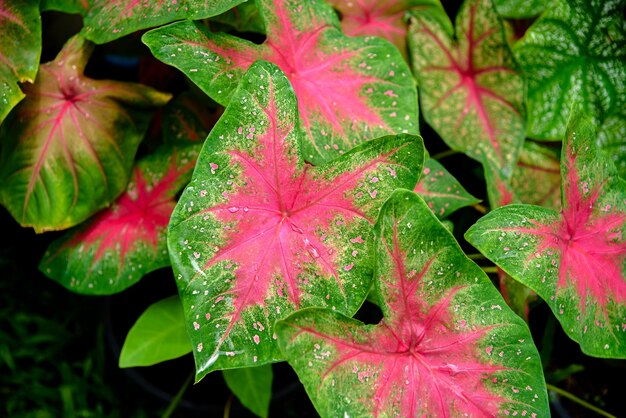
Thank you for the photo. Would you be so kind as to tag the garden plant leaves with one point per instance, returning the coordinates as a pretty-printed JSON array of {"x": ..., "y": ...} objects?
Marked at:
[
  {"x": 20, "y": 31},
  {"x": 119, "y": 245},
  {"x": 252, "y": 386},
  {"x": 576, "y": 50},
  {"x": 349, "y": 89},
  {"x": 259, "y": 233},
  {"x": 68, "y": 148},
  {"x": 447, "y": 346},
  {"x": 469, "y": 90},
  {"x": 574, "y": 259}
]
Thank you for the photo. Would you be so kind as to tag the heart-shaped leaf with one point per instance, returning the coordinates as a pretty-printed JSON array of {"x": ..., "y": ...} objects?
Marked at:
[
  {"x": 106, "y": 20},
  {"x": 519, "y": 9},
  {"x": 576, "y": 50},
  {"x": 243, "y": 18},
  {"x": 259, "y": 233},
  {"x": 441, "y": 191},
  {"x": 121, "y": 244},
  {"x": 612, "y": 139},
  {"x": 187, "y": 119},
  {"x": 158, "y": 335},
  {"x": 252, "y": 386},
  {"x": 382, "y": 18},
  {"x": 536, "y": 179},
  {"x": 575, "y": 260},
  {"x": 20, "y": 31},
  {"x": 447, "y": 346},
  {"x": 68, "y": 148},
  {"x": 469, "y": 90},
  {"x": 67, "y": 6},
  {"x": 349, "y": 89}
]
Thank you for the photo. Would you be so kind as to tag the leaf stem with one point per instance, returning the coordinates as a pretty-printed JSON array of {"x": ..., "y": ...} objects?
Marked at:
[
  {"x": 490, "y": 269},
  {"x": 178, "y": 397},
  {"x": 480, "y": 208},
  {"x": 477, "y": 256},
  {"x": 229, "y": 402},
  {"x": 579, "y": 401},
  {"x": 444, "y": 154}
]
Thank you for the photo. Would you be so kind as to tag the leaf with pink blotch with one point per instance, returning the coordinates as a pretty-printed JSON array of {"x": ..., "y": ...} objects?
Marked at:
[
  {"x": 121, "y": 244},
  {"x": 447, "y": 346},
  {"x": 382, "y": 18},
  {"x": 69, "y": 146},
  {"x": 470, "y": 91},
  {"x": 259, "y": 233},
  {"x": 349, "y": 89},
  {"x": 575, "y": 260}
]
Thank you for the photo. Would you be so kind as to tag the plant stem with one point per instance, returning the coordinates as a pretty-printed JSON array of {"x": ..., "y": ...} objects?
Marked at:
[
  {"x": 476, "y": 256},
  {"x": 480, "y": 208},
  {"x": 444, "y": 154},
  {"x": 579, "y": 401},
  {"x": 490, "y": 269},
  {"x": 229, "y": 402},
  {"x": 178, "y": 397}
]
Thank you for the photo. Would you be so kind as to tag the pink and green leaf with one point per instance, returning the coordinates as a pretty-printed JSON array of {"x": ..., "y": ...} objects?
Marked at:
[
  {"x": 447, "y": 346},
  {"x": 107, "y": 20},
  {"x": 187, "y": 119},
  {"x": 68, "y": 148},
  {"x": 536, "y": 178},
  {"x": 243, "y": 18},
  {"x": 574, "y": 51},
  {"x": 470, "y": 92},
  {"x": 575, "y": 260},
  {"x": 349, "y": 89},
  {"x": 441, "y": 191},
  {"x": 382, "y": 18},
  {"x": 20, "y": 31},
  {"x": 121, "y": 244},
  {"x": 259, "y": 233}
]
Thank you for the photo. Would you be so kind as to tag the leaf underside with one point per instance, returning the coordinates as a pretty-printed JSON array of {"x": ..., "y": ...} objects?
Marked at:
[
  {"x": 121, "y": 244},
  {"x": 469, "y": 90},
  {"x": 576, "y": 51},
  {"x": 349, "y": 89},
  {"x": 448, "y": 344},
  {"x": 259, "y": 233},
  {"x": 575, "y": 260},
  {"x": 20, "y": 31},
  {"x": 252, "y": 386},
  {"x": 68, "y": 148}
]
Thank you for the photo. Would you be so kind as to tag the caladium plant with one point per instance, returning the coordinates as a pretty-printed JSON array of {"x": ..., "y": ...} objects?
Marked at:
[
  {"x": 574, "y": 259},
  {"x": 266, "y": 190},
  {"x": 347, "y": 88},
  {"x": 436, "y": 352},
  {"x": 259, "y": 233}
]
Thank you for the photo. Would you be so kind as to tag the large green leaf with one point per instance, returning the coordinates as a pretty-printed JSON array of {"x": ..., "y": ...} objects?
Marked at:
[
  {"x": 158, "y": 335},
  {"x": 612, "y": 139},
  {"x": 576, "y": 50},
  {"x": 469, "y": 90},
  {"x": 441, "y": 191},
  {"x": 116, "y": 248},
  {"x": 68, "y": 148},
  {"x": 20, "y": 31},
  {"x": 259, "y": 233},
  {"x": 349, "y": 89},
  {"x": 575, "y": 260},
  {"x": 447, "y": 346},
  {"x": 520, "y": 9},
  {"x": 252, "y": 386}
]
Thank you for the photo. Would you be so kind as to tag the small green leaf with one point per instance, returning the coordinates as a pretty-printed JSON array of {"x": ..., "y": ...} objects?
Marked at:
[
  {"x": 612, "y": 139},
  {"x": 441, "y": 191},
  {"x": 576, "y": 50},
  {"x": 252, "y": 386},
  {"x": 519, "y": 9},
  {"x": 20, "y": 48},
  {"x": 158, "y": 335}
]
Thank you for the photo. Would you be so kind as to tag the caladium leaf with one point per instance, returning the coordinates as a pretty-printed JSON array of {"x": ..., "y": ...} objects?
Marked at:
[
  {"x": 349, "y": 89},
  {"x": 516, "y": 295},
  {"x": 243, "y": 18},
  {"x": 157, "y": 336},
  {"x": 441, "y": 191},
  {"x": 187, "y": 119},
  {"x": 118, "y": 246},
  {"x": 20, "y": 31},
  {"x": 612, "y": 139},
  {"x": 382, "y": 18},
  {"x": 67, "y": 6},
  {"x": 258, "y": 233},
  {"x": 252, "y": 386},
  {"x": 107, "y": 20},
  {"x": 519, "y": 9},
  {"x": 575, "y": 259},
  {"x": 469, "y": 90},
  {"x": 447, "y": 346},
  {"x": 563, "y": 65},
  {"x": 68, "y": 148}
]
